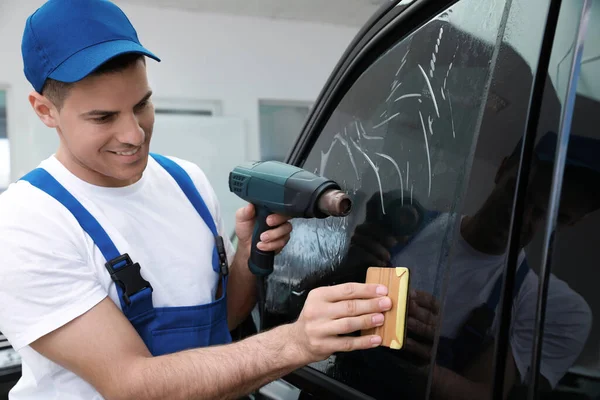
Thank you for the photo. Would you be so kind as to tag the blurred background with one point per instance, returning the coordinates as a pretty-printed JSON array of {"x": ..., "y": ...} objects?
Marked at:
[{"x": 236, "y": 81}]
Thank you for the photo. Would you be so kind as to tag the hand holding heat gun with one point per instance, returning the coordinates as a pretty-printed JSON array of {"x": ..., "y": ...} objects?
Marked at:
[{"x": 279, "y": 188}]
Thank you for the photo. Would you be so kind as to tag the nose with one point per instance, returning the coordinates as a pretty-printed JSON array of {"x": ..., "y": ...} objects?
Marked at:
[{"x": 130, "y": 131}]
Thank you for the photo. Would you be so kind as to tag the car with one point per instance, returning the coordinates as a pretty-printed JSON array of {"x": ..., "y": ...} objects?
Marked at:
[
  {"x": 10, "y": 366},
  {"x": 467, "y": 134}
]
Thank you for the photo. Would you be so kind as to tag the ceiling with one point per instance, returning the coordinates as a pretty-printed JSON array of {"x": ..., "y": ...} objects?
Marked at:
[{"x": 339, "y": 12}]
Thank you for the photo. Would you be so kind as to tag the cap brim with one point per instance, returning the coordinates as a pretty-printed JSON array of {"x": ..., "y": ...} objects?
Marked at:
[
  {"x": 581, "y": 152},
  {"x": 86, "y": 61}
]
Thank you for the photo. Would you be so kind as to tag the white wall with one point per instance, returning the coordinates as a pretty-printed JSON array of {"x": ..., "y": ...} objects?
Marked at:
[{"x": 236, "y": 60}]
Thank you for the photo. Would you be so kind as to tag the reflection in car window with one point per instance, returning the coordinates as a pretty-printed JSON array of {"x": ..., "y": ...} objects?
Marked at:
[
  {"x": 569, "y": 360},
  {"x": 402, "y": 141}
]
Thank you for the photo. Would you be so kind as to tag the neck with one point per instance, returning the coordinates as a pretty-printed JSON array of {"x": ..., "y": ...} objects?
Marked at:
[
  {"x": 481, "y": 233},
  {"x": 86, "y": 174}
]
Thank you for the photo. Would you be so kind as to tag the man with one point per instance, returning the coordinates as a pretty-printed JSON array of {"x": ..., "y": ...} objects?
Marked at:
[
  {"x": 464, "y": 363},
  {"x": 116, "y": 278}
]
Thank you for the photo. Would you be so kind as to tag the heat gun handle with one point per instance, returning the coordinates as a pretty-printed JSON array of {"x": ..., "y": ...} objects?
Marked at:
[{"x": 261, "y": 262}]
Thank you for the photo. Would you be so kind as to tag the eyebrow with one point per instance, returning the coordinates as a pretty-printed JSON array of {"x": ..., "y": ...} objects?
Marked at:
[{"x": 105, "y": 113}]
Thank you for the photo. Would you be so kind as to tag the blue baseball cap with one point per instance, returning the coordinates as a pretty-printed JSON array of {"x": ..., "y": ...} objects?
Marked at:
[
  {"x": 66, "y": 40},
  {"x": 582, "y": 152}
]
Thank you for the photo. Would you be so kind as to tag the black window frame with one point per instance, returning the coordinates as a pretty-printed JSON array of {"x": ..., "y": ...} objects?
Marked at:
[
  {"x": 551, "y": 222},
  {"x": 389, "y": 25}
]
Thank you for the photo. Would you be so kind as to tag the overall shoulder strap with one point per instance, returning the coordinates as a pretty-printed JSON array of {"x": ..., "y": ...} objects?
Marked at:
[
  {"x": 134, "y": 291},
  {"x": 494, "y": 298},
  {"x": 186, "y": 184},
  {"x": 457, "y": 353},
  {"x": 42, "y": 179}
]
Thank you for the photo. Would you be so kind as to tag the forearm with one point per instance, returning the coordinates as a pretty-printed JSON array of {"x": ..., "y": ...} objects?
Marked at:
[
  {"x": 223, "y": 372},
  {"x": 241, "y": 289}
]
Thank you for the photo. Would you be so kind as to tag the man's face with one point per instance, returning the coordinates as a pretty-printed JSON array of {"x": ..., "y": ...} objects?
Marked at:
[
  {"x": 105, "y": 126},
  {"x": 575, "y": 202}
]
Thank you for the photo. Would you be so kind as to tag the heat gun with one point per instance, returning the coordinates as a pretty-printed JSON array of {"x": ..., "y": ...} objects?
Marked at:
[{"x": 279, "y": 188}]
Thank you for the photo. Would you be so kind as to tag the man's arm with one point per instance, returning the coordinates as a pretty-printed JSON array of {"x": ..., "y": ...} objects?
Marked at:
[
  {"x": 103, "y": 348},
  {"x": 241, "y": 289}
]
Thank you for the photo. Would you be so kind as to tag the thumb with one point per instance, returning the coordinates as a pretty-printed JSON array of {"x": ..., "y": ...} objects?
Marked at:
[{"x": 245, "y": 213}]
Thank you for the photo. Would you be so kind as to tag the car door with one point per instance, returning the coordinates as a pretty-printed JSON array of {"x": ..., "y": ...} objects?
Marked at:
[{"x": 430, "y": 122}]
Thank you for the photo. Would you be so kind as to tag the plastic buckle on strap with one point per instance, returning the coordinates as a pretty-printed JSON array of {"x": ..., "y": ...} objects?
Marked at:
[
  {"x": 224, "y": 265},
  {"x": 128, "y": 277}
]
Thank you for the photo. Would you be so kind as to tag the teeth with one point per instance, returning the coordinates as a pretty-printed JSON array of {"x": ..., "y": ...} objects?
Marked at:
[{"x": 127, "y": 153}]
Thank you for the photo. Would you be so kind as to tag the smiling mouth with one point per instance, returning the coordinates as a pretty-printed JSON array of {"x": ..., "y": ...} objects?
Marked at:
[{"x": 126, "y": 153}]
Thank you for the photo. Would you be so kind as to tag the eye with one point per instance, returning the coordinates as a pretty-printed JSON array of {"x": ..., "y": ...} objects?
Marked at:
[
  {"x": 142, "y": 105},
  {"x": 102, "y": 120}
]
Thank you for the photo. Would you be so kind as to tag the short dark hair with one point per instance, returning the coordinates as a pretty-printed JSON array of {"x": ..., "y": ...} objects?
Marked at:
[
  {"x": 57, "y": 91},
  {"x": 585, "y": 179}
]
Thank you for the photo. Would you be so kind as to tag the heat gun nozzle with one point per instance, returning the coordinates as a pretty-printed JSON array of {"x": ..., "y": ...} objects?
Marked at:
[{"x": 335, "y": 203}]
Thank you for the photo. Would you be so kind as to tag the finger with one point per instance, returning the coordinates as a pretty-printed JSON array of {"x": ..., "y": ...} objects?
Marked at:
[
  {"x": 419, "y": 349},
  {"x": 276, "y": 219},
  {"x": 276, "y": 245},
  {"x": 425, "y": 300},
  {"x": 422, "y": 315},
  {"x": 420, "y": 328},
  {"x": 353, "y": 290},
  {"x": 372, "y": 246},
  {"x": 353, "y": 308},
  {"x": 245, "y": 213},
  {"x": 277, "y": 233},
  {"x": 353, "y": 324},
  {"x": 349, "y": 343}
]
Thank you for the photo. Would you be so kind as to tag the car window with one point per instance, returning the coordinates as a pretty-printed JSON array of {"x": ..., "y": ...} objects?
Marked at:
[
  {"x": 420, "y": 141},
  {"x": 569, "y": 358}
]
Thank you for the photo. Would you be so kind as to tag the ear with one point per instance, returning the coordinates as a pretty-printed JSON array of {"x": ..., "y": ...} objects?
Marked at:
[{"x": 45, "y": 110}]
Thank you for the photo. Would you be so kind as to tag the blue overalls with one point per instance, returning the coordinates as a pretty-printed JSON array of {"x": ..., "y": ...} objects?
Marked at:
[
  {"x": 474, "y": 334},
  {"x": 163, "y": 329}
]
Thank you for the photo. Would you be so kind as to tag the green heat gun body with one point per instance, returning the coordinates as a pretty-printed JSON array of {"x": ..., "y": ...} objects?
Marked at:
[{"x": 279, "y": 188}]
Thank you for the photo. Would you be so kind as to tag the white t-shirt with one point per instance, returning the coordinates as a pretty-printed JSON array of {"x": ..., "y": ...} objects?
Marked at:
[
  {"x": 51, "y": 272},
  {"x": 471, "y": 278}
]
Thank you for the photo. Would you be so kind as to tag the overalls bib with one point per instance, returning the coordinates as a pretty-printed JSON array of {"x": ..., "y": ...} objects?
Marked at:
[
  {"x": 474, "y": 334},
  {"x": 163, "y": 329}
]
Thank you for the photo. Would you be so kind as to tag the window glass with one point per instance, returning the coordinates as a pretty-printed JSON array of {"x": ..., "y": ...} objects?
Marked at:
[
  {"x": 436, "y": 114},
  {"x": 570, "y": 353}
]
